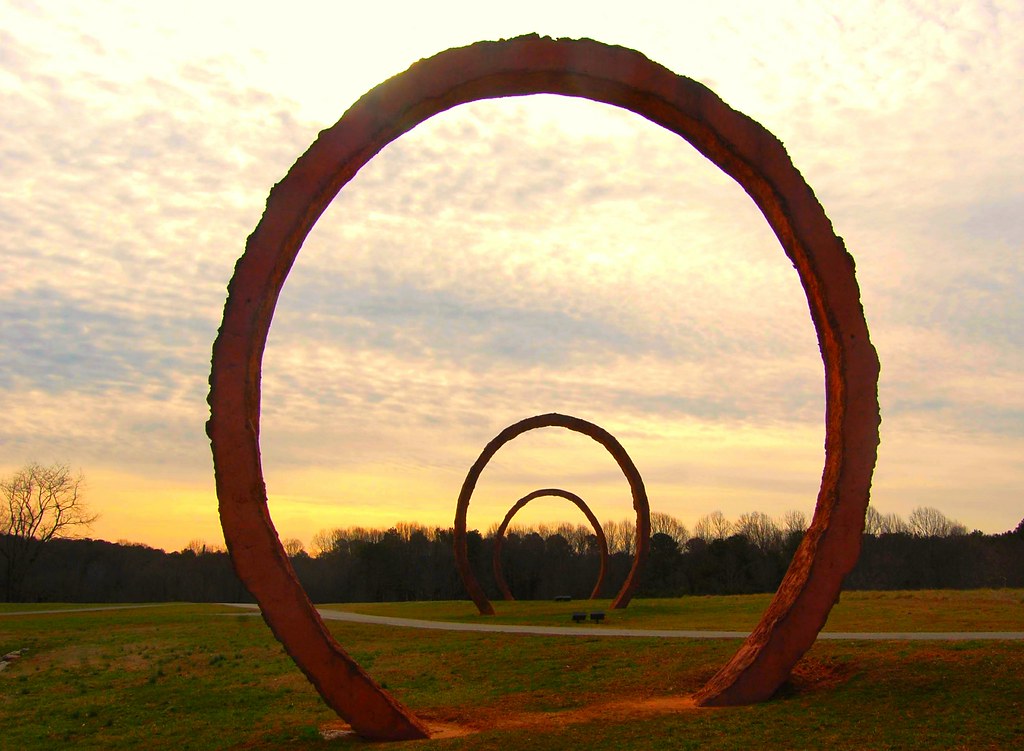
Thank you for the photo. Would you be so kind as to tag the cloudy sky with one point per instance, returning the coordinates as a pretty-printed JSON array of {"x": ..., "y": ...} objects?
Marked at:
[{"x": 505, "y": 259}]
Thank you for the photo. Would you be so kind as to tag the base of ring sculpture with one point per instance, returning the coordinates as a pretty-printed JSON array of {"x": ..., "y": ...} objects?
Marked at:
[
  {"x": 739, "y": 146},
  {"x": 589, "y": 429},
  {"x": 499, "y": 538}
]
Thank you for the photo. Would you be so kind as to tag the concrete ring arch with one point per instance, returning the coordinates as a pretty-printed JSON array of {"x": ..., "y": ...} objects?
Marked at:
[
  {"x": 499, "y": 537},
  {"x": 575, "y": 424},
  {"x": 739, "y": 146}
]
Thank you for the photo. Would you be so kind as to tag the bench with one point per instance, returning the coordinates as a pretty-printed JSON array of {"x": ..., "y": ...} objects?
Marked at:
[
  {"x": 597, "y": 616},
  {"x": 563, "y": 598},
  {"x": 579, "y": 617}
]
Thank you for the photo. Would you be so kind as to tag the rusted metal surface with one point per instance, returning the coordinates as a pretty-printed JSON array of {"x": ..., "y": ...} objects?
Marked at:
[
  {"x": 575, "y": 424},
  {"x": 499, "y": 537},
  {"x": 741, "y": 148}
]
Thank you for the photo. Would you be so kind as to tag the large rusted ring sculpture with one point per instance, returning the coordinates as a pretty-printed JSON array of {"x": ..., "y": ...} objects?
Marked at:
[
  {"x": 740, "y": 147},
  {"x": 499, "y": 538},
  {"x": 589, "y": 429}
]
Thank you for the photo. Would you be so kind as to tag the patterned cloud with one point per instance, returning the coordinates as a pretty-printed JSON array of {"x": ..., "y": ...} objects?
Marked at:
[{"x": 510, "y": 257}]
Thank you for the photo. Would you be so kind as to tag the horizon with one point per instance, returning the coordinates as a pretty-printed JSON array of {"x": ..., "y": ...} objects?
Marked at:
[
  {"x": 544, "y": 527},
  {"x": 507, "y": 258}
]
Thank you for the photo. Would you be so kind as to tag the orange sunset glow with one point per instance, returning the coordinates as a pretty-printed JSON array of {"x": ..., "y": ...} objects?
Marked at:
[{"x": 504, "y": 259}]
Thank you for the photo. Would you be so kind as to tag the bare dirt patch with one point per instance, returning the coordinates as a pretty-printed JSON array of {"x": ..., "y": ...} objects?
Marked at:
[
  {"x": 620, "y": 708},
  {"x": 338, "y": 730},
  {"x": 455, "y": 725}
]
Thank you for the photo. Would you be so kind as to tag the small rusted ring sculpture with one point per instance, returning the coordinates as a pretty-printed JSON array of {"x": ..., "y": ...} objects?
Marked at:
[
  {"x": 739, "y": 146},
  {"x": 589, "y": 429},
  {"x": 499, "y": 538}
]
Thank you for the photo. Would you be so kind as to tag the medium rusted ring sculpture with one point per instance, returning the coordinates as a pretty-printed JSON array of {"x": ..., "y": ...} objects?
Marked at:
[
  {"x": 589, "y": 429},
  {"x": 499, "y": 537},
  {"x": 741, "y": 148}
]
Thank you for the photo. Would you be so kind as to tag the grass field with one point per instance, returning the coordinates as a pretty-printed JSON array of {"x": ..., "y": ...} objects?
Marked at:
[
  {"x": 208, "y": 677},
  {"x": 939, "y": 610}
]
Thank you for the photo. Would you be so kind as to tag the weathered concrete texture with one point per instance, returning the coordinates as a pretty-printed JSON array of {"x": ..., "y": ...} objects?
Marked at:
[
  {"x": 740, "y": 147},
  {"x": 589, "y": 429},
  {"x": 499, "y": 537}
]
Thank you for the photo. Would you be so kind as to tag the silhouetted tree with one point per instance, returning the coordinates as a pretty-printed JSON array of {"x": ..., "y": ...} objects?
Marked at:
[
  {"x": 621, "y": 536},
  {"x": 872, "y": 521},
  {"x": 926, "y": 521},
  {"x": 662, "y": 573},
  {"x": 668, "y": 525},
  {"x": 877, "y": 523},
  {"x": 37, "y": 504},
  {"x": 409, "y": 561},
  {"x": 794, "y": 521},
  {"x": 760, "y": 530},
  {"x": 713, "y": 526}
]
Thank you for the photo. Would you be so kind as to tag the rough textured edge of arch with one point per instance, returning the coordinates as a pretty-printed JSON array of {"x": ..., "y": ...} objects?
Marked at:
[
  {"x": 589, "y": 429},
  {"x": 499, "y": 537},
  {"x": 734, "y": 142}
]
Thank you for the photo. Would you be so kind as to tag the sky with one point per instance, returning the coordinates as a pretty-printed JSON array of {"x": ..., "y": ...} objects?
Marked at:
[{"x": 505, "y": 259}]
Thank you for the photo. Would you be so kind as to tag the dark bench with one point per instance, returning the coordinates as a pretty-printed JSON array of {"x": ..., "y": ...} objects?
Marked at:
[
  {"x": 579, "y": 617},
  {"x": 597, "y": 616},
  {"x": 563, "y": 598}
]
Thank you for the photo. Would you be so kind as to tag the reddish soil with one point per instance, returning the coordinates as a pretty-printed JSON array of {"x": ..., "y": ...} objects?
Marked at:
[{"x": 809, "y": 675}]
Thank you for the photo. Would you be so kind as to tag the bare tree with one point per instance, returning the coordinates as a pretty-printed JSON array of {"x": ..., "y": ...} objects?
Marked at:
[
  {"x": 577, "y": 536},
  {"x": 667, "y": 524},
  {"x": 926, "y": 521},
  {"x": 364, "y": 534},
  {"x": 760, "y": 530},
  {"x": 196, "y": 546},
  {"x": 513, "y": 530},
  {"x": 877, "y": 523},
  {"x": 406, "y": 530},
  {"x": 621, "y": 536},
  {"x": 713, "y": 526},
  {"x": 794, "y": 521},
  {"x": 37, "y": 504},
  {"x": 293, "y": 546},
  {"x": 326, "y": 540},
  {"x": 544, "y": 530},
  {"x": 894, "y": 524},
  {"x": 873, "y": 522}
]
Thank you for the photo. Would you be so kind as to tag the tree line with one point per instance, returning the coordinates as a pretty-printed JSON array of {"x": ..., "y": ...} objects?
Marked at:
[{"x": 413, "y": 562}]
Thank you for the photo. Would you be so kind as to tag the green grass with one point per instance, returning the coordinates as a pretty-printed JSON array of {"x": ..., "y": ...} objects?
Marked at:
[
  {"x": 207, "y": 677},
  {"x": 928, "y": 610},
  {"x": 18, "y": 607}
]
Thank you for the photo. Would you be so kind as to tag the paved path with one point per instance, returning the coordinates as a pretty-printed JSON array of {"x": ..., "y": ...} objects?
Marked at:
[
  {"x": 93, "y": 609},
  {"x": 601, "y": 630},
  {"x": 594, "y": 630}
]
